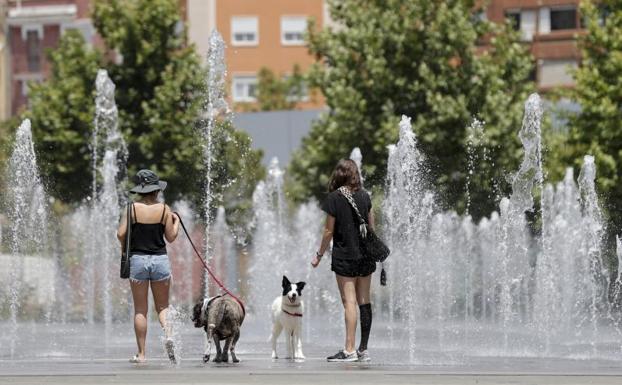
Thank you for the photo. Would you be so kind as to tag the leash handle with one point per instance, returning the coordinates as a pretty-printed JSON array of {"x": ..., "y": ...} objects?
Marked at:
[{"x": 220, "y": 284}]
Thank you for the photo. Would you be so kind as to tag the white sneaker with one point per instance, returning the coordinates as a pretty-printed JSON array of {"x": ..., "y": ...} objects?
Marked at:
[{"x": 363, "y": 356}]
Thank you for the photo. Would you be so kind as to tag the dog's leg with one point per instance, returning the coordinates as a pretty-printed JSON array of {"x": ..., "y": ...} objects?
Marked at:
[
  {"x": 298, "y": 341},
  {"x": 225, "y": 350},
  {"x": 276, "y": 331},
  {"x": 208, "y": 345},
  {"x": 218, "y": 357},
  {"x": 236, "y": 336},
  {"x": 289, "y": 343}
]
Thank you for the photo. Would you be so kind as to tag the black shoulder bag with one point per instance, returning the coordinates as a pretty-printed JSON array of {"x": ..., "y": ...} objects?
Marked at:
[
  {"x": 125, "y": 251},
  {"x": 372, "y": 246}
]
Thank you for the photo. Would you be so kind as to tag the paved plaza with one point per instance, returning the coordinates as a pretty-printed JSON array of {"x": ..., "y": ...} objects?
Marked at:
[
  {"x": 256, "y": 370},
  {"x": 89, "y": 354}
]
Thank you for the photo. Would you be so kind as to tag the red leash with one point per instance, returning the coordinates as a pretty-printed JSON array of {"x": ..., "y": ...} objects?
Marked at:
[{"x": 207, "y": 268}]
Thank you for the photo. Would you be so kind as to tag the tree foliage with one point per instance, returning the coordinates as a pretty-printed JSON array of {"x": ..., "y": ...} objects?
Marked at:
[
  {"x": 61, "y": 110},
  {"x": 427, "y": 60},
  {"x": 160, "y": 89},
  {"x": 596, "y": 129}
]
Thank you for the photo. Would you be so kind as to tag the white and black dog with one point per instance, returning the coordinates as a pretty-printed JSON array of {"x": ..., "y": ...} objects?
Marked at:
[{"x": 287, "y": 311}]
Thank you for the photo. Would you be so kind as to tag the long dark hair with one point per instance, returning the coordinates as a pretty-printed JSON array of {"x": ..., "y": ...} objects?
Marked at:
[{"x": 346, "y": 173}]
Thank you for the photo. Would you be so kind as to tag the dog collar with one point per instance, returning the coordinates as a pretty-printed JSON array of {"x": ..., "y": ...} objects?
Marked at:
[{"x": 292, "y": 314}]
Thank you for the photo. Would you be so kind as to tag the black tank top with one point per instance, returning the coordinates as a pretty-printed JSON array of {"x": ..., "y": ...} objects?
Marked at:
[{"x": 147, "y": 238}]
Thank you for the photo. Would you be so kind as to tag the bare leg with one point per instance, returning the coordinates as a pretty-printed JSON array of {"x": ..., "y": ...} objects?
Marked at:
[
  {"x": 276, "y": 331},
  {"x": 363, "y": 292},
  {"x": 160, "y": 290},
  {"x": 347, "y": 289},
  {"x": 236, "y": 336},
  {"x": 140, "y": 291}
]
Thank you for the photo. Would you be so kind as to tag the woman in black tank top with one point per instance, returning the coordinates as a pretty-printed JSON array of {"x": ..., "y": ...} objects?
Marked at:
[
  {"x": 148, "y": 238},
  {"x": 152, "y": 223}
]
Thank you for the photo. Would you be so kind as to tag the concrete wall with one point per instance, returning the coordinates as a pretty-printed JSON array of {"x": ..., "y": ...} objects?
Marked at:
[
  {"x": 38, "y": 279},
  {"x": 277, "y": 133},
  {"x": 201, "y": 19}
]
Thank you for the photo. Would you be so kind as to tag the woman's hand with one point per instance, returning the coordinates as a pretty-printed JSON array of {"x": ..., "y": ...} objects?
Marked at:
[{"x": 315, "y": 261}]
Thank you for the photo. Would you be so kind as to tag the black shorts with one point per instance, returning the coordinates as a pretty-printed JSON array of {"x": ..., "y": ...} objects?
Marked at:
[{"x": 353, "y": 267}]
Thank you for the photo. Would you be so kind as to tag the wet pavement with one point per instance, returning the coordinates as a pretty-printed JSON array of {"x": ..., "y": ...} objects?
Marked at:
[
  {"x": 94, "y": 354},
  {"x": 261, "y": 370}
]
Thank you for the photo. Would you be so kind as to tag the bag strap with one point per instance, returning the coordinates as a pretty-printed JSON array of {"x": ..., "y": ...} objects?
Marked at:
[
  {"x": 163, "y": 212},
  {"x": 348, "y": 195},
  {"x": 128, "y": 232}
]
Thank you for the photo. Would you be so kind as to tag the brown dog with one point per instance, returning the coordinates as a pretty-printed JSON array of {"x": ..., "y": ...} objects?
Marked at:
[{"x": 221, "y": 317}]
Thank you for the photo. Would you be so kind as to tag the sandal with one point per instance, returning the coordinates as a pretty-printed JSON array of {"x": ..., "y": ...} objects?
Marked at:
[{"x": 136, "y": 360}]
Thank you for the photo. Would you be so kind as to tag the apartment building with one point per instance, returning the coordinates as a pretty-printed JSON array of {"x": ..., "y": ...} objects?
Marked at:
[
  {"x": 266, "y": 33},
  {"x": 5, "y": 98},
  {"x": 32, "y": 27},
  {"x": 550, "y": 27}
]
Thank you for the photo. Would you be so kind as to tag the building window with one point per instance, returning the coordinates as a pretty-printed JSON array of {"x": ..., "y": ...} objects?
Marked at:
[
  {"x": 244, "y": 30},
  {"x": 293, "y": 30},
  {"x": 244, "y": 88},
  {"x": 557, "y": 72},
  {"x": 603, "y": 14},
  {"x": 480, "y": 16},
  {"x": 84, "y": 27},
  {"x": 513, "y": 17},
  {"x": 523, "y": 21},
  {"x": 298, "y": 91},
  {"x": 24, "y": 88},
  {"x": 563, "y": 18},
  {"x": 33, "y": 50}
]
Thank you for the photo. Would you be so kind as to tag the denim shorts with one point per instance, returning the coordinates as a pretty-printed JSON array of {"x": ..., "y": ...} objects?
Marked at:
[{"x": 149, "y": 267}]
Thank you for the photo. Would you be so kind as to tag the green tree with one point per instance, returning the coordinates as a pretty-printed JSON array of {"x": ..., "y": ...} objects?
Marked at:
[
  {"x": 596, "y": 129},
  {"x": 61, "y": 110},
  {"x": 427, "y": 60},
  {"x": 159, "y": 93},
  {"x": 274, "y": 93}
]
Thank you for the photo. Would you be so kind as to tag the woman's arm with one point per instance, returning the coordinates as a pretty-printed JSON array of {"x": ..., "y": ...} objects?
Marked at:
[
  {"x": 329, "y": 228},
  {"x": 171, "y": 225}
]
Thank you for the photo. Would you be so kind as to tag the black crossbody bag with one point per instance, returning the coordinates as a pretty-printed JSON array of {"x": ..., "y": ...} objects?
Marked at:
[
  {"x": 372, "y": 246},
  {"x": 125, "y": 251}
]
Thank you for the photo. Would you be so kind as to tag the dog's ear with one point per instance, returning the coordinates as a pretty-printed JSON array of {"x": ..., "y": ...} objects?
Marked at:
[
  {"x": 300, "y": 286},
  {"x": 286, "y": 282}
]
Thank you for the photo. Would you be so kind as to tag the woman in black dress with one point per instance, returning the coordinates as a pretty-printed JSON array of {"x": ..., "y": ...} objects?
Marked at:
[{"x": 352, "y": 270}]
